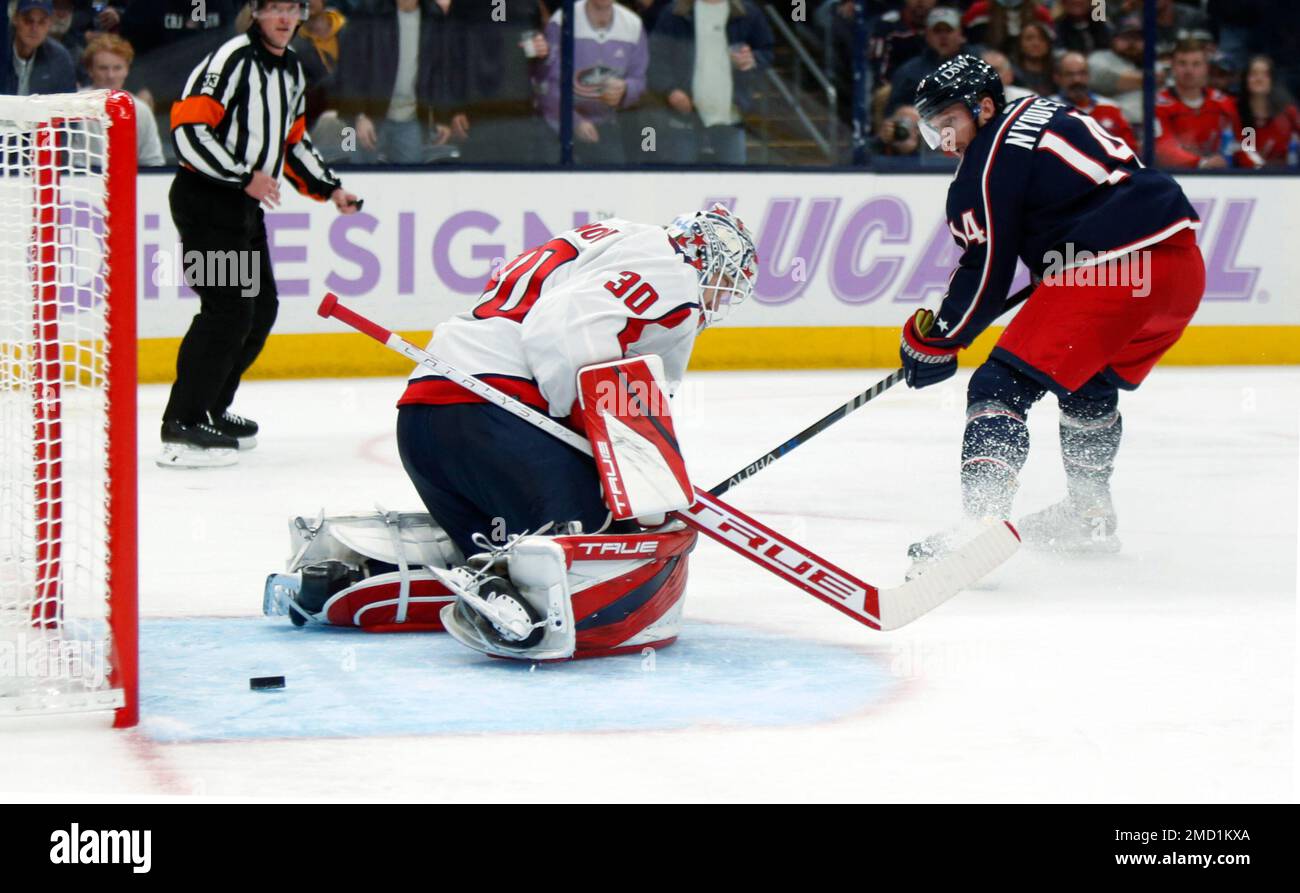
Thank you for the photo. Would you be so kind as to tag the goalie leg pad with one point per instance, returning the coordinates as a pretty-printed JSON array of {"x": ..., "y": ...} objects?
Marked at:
[{"x": 367, "y": 570}]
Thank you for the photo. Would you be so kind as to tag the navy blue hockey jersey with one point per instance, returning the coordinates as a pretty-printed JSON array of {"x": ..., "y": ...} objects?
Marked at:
[{"x": 1038, "y": 178}]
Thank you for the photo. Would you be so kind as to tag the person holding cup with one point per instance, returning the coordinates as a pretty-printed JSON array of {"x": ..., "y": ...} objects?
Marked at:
[{"x": 610, "y": 56}]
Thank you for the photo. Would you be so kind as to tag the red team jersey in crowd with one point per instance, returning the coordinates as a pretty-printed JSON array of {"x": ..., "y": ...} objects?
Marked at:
[
  {"x": 1186, "y": 133},
  {"x": 982, "y": 10},
  {"x": 1107, "y": 113},
  {"x": 1273, "y": 138}
]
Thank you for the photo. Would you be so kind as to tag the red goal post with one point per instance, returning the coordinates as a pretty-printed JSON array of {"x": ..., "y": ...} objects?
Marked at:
[{"x": 68, "y": 552}]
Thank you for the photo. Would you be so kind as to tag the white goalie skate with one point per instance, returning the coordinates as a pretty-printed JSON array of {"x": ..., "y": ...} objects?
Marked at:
[
  {"x": 1079, "y": 525},
  {"x": 513, "y": 601}
]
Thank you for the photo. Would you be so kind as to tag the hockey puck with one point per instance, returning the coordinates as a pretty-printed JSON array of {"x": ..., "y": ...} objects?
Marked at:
[{"x": 266, "y": 683}]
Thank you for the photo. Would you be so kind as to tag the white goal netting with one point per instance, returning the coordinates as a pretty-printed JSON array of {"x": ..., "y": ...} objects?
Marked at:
[{"x": 58, "y": 408}]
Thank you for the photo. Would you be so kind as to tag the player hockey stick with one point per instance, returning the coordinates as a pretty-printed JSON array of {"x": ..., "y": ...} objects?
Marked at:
[
  {"x": 809, "y": 433},
  {"x": 837, "y": 414},
  {"x": 879, "y": 609}
]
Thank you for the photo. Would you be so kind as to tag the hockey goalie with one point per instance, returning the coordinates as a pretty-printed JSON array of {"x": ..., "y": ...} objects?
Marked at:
[{"x": 531, "y": 550}]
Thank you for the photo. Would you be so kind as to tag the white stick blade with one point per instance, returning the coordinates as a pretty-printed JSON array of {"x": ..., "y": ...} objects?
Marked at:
[{"x": 991, "y": 547}]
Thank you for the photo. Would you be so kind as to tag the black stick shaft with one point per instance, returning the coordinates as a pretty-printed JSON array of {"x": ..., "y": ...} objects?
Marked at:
[{"x": 831, "y": 418}]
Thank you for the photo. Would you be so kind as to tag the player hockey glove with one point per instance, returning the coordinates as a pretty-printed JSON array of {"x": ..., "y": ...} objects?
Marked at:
[{"x": 925, "y": 363}]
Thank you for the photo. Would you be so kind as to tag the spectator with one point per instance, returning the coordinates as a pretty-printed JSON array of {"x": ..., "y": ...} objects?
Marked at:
[
  {"x": 1079, "y": 29},
  {"x": 649, "y": 11},
  {"x": 894, "y": 38},
  {"x": 997, "y": 23},
  {"x": 1033, "y": 57},
  {"x": 1071, "y": 77},
  {"x": 1176, "y": 22},
  {"x": 1269, "y": 118},
  {"x": 394, "y": 84},
  {"x": 36, "y": 64},
  {"x": 317, "y": 48},
  {"x": 706, "y": 59},
  {"x": 1117, "y": 72},
  {"x": 1002, "y": 65},
  {"x": 900, "y": 133},
  {"x": 943, "y": 40},
  {"x": 107, "y": 60},
  {"x": 610, "y": 56},
  {"x": 507, "y": 55},
  {"x": 1196, "y": 125},
  {"x": 71, "y": 20},
  {"x": 1225, "y": 74}
]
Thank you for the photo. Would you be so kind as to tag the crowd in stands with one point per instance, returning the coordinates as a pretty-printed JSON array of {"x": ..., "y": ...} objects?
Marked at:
[
  {"x": 1226, "y": 72},
  {"x": 681, "y": 81}
]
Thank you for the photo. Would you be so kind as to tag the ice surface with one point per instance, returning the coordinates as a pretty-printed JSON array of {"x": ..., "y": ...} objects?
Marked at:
[{"x": 1164, "y": 672}]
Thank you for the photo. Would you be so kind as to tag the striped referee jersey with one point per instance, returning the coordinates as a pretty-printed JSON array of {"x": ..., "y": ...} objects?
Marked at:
[{"x": 242, "y": 111}]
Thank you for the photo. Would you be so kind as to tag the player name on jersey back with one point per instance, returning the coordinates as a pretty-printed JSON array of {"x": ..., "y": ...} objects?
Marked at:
[{"x": 595, "y": 293}]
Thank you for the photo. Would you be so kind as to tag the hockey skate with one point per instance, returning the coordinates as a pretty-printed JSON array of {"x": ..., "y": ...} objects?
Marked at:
[
  {"x": 199, "y": 445},
  {"x": 1082, "y": 523},
  {"x": 513, "y": 600},
  {"x": 302, "y": 595},
  {"x": 243, "y": 430}
]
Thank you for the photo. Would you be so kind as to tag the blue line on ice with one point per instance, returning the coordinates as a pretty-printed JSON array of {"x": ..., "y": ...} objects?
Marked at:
[{"x": 353, "y": 684}]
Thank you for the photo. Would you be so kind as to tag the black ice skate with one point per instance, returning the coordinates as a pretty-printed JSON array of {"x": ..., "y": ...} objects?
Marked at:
[
  {"x": 242, "y": 429},
  {"x": 199, "y": 445}
]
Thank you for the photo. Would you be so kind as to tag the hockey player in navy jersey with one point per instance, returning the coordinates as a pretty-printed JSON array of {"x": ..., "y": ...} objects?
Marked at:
[{"x": 1111, "y": 247}]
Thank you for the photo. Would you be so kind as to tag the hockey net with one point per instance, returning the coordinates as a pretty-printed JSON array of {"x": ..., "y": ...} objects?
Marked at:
[{"x": 67, "y": 404}]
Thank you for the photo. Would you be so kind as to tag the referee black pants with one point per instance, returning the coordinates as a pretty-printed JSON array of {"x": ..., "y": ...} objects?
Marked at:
[{"x": 231, "y": 326}]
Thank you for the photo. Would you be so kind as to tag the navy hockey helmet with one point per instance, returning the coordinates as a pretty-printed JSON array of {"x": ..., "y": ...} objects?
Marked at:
[{"x": 963, "y": 79}]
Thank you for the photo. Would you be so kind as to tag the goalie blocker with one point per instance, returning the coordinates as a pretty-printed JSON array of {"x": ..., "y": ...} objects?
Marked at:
[
  {"x": 593, "y": 595},
  {"x": 624, "y": 407}
]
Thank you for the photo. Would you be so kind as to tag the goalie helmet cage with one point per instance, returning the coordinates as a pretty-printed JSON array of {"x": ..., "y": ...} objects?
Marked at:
[{"x": 68, "y": 575}]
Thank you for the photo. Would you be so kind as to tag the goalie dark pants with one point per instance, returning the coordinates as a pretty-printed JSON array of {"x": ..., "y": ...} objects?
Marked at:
[
  {"x": 479, "y": 469},
  {"x": 225, "y": 229}
]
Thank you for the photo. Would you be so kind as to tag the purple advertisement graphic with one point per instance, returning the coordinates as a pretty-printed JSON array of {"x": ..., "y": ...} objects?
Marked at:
[{"x": 879, "y": 250}]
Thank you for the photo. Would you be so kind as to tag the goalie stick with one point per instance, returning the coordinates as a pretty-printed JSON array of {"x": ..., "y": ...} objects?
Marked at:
[
  {"x": 879, "y": 609},
  {"x": 837, "y": 414},
  {"x": 809, "y": 433}
]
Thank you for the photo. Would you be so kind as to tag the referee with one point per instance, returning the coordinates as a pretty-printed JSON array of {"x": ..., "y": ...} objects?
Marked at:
[{"x": 241, "y": 122}]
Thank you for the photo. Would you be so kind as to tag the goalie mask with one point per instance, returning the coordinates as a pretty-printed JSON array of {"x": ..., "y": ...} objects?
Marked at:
[{"x": 717, "y": 244}]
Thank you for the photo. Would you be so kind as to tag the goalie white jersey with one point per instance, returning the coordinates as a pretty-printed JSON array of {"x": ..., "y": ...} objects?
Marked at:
[{"x": 593, "y": 294}]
